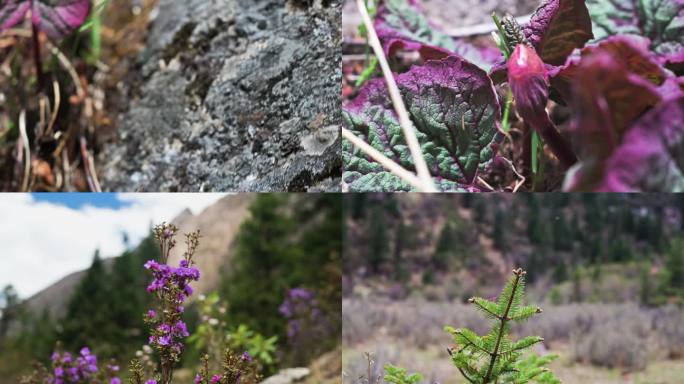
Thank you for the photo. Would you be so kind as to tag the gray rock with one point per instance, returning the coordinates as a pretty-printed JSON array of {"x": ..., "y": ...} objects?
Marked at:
[
  {"x": 288, "y": 376},
  {"x": 233, "y": 95}
]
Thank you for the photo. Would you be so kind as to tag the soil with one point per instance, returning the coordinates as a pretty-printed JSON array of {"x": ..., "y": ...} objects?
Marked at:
[{"x": 232, "y": 95}]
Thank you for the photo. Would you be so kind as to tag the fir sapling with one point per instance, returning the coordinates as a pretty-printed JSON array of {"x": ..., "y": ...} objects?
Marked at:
[{"x": 495, "y": 357}]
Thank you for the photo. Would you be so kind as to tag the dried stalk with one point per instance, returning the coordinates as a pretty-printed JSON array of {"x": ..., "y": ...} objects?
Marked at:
[
  {"x": 385, "y": 161},
  {"x": 427, "y": 184},
  {"x": 27, "y": 151}
]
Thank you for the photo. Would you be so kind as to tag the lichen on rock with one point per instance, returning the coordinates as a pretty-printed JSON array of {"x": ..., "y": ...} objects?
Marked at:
[{"x": 233, "y": 95}]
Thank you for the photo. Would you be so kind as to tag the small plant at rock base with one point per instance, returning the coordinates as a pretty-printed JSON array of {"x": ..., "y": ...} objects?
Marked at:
[{"x": 494, "y": 357}]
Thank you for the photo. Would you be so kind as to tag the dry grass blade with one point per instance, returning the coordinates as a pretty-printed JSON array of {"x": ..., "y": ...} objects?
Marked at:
[
  {"x": 427, "y": 184},
  {"x": 27, "y": 151},
  {"x": 385, "y": 161}
]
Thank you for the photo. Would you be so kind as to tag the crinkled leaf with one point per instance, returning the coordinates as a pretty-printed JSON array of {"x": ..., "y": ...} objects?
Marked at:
[
  {"x": 57, "y": 18},
  {"x": 12, "y": 12},
  {"x": 400, "y": 25},
  {"x": 631, "y": 51},
  {"x": 557, "y": 27},
  {"x": 661, "y": 21},
  {"x": 455, "y": 110},
  {"x": 651, "y": 157}
]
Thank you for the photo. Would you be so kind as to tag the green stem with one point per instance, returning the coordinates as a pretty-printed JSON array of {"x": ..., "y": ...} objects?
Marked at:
[
  {"x": 507, "y": 110},
  {"x": 502, "y": 34},
  {"x": 495, "y": 354}
]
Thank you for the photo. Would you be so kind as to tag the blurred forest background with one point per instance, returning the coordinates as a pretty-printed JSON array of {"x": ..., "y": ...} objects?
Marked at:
[
  {"x": 607, "y": 269},
  {"x": 254, "y": 249}
]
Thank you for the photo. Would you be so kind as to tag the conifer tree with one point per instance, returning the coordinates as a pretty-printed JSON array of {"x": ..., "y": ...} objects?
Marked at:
[
  {"x": 89, "y": 313},
  {"x": 259, "y": 277},
  {"x": 499, "y": 230},
  {"x": 494, "y": 357},
  {"x": 445, "y": 244},
  {"x": 378, "y": 249},
  {"x": 535, "y": 232},
  {"x": 400, "y": 272},
  {"x": 9, "y": 308}
]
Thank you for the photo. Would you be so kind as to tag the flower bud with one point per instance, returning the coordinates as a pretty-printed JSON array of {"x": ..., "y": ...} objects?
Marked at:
[{"x": 529, "y": 83}]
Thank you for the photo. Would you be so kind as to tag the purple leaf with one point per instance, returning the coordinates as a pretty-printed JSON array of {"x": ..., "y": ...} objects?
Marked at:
[
  {"x": 557, "y": 27},
  {"x": 651, "y": 158},
  {"x": 400, "y": 25},
  {"x": 631, "y": 51},
  {"x": 607, "y": 98},
  {"x": 455, "y": 110},
  {"x": 661, "y": 21},
  {"x": 57, "y": 18},
  {"x": 12, "y": 13}
]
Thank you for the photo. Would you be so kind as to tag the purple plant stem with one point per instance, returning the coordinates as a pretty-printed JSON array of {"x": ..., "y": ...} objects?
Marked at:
[
  {"x": 527, "y": 152},
  {"x": 558, "y": 144}
]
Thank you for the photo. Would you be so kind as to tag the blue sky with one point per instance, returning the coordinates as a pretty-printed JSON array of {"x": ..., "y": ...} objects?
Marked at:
[
  {"x": 45, "y": 237},
  {"x": 80, "y": 200}
]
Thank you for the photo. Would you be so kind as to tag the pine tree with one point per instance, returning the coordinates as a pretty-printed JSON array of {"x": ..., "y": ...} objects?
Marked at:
[
  {"x": 494, "y": 357},
  {"x": 480, "y": 208},
  {"x": 378, "y": 248},
  {"x": 562, "y": 238},
  {"x": 446, "y": 244},
  {"x": 535, "y": 231},
  {"x": 128, "y": 297},
  {"x": 89, "y": 312},
  {"x": 10, "y": 306},
  {"x": 500, "y": 230},
  {"x": 256, "y": 284},
  {"x": 400, "y": 271}
]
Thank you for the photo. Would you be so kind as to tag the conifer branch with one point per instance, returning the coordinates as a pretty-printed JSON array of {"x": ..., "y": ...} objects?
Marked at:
[{"x": 504, "y": 318}]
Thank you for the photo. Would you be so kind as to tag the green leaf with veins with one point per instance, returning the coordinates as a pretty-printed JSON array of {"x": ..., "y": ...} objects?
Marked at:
[{"x": 455, "y": 110}]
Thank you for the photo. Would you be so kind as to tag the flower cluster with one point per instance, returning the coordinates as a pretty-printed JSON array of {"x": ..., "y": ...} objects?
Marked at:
[
  {"x": 171, "y": 285},
  {"x": 76, "y": 369},
  {"x": 308, "y": 328},
  {"x": 299, "y": 307}
]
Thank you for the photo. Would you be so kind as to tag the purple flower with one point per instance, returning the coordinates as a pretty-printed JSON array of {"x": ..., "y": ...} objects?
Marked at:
[
  {"x": 246, "y": 356},
  {"x": 59, "y": 371},
  {"x": 115, "y": 380},
  {"x": 164, "y": 340},
  {"x": 152, "y": 265},
  {"x": 300, "y": 293},
  {"x": 198, "y": 379}
]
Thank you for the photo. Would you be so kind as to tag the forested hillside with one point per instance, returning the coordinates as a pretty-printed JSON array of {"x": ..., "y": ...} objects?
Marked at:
[{"x": 419, "y": 241}]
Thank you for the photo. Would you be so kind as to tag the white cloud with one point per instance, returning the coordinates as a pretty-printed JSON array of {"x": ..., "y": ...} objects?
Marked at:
[{"x": 41, "y": 242}]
